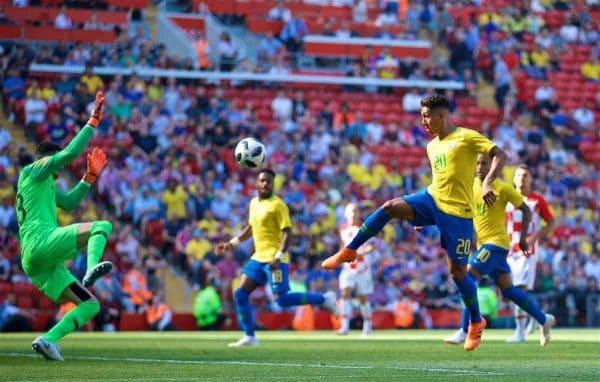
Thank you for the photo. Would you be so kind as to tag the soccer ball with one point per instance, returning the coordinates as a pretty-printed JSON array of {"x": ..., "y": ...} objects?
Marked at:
[{"x": 250, "y": 153}]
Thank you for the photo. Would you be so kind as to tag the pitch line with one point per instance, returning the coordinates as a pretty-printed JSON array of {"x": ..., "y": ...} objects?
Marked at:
[{"x": 269, "y": 364}]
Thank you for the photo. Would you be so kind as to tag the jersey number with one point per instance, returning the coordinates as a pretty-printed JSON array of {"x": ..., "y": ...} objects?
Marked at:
[
  {"x": 20, "y": 209},
  {"x": 483, "y": 256},
  {"x": 277, "y": 276},
  {"x": 463, "y": 247}
]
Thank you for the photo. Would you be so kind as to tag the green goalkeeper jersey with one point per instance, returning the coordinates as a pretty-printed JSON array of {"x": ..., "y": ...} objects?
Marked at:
[{"x": 37, "y": 196}]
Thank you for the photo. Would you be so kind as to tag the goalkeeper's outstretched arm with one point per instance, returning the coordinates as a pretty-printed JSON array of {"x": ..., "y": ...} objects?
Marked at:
[
  {"x": 49, "y": 165},
  {"x": 70, "y": 200}
]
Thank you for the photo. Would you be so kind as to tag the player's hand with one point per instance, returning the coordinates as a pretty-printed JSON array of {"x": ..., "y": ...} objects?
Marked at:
[
  {"x": 488, "y": 194},
  {"x": 524, "y": 245},
  {"x": 95, "y": 163},
  {"x": 97, "y": 111},
  {"x": 274, "y": 265},
  {"x": 531, "y": 241},
  {"x": 223, "y": 247}
]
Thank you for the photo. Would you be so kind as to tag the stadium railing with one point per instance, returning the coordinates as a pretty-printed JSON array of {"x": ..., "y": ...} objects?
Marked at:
[{"x": 247, "y": 76}]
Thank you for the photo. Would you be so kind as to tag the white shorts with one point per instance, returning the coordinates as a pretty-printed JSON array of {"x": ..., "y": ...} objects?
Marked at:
[
  {"x": 522, "y": 268},
  {"x": 361, "y": 282}
]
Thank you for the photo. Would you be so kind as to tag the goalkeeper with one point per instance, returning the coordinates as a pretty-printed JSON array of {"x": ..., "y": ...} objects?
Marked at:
[{"x": 45, "y": 246}]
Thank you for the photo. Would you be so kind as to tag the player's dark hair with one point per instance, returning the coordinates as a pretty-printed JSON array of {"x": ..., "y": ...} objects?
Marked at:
[
  {"x": 436, "y": 101},
  {"x": 523, "y": 166},
  {"x": 47, "y": 148},
  {"x": 266, "y": 171}
]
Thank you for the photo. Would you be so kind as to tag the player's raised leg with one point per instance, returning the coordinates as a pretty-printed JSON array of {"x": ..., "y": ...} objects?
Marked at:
[
  {"x": 395, "y": 208},
  {"x": 87, "y": 307},
  {"x": 280, "y": 285},
  {"x": 95, "y": 235}
]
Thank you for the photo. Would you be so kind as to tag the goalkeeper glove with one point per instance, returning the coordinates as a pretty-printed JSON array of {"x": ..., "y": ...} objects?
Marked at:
[
  {"x": 95, "y": 163},
  {"x": 97, "y": 112}
]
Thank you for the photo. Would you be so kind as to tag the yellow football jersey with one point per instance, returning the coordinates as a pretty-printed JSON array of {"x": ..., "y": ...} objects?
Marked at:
[
  {"x": 453, "y": 162},
  {"x": 268, "y": 217},
  {"x": 489, "y": 222}
]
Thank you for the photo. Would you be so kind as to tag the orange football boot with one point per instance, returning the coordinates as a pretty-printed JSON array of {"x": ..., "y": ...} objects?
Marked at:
[
  {"x": 474, "y": 335},
  {"x": 344, "y": 255}
]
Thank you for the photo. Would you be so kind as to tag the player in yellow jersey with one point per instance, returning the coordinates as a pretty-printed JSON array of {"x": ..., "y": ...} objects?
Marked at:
[
  {"x": 447, "y": 202},
  {"x": 270, "y": 227},
  {"x": 490, "y": 258}
]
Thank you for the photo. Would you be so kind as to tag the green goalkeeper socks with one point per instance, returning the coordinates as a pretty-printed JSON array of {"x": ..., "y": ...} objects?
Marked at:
[
  {"x": 74, "y": 319},
  {"x": 97, "y": 241}
]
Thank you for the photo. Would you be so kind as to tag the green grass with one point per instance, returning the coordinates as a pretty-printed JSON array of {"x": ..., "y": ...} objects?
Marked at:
[{"x": 573, "y": 355}]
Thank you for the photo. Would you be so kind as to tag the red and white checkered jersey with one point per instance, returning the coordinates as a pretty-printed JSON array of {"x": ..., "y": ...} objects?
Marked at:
[
  {"x": 361, "y": 264},
  {"x": 514, "y": 218}
]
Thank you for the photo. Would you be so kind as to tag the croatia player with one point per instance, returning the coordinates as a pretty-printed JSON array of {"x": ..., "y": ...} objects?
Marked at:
[
  {"x": 490, "y": 258},
  {"x": 355, "y": 275},
  {"x": 523, "y": 266},
  {"x": 270, "y": 226},
  {"x": 447, "y": 202}
]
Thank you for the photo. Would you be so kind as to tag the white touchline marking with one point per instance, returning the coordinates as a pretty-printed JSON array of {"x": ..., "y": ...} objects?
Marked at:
[{"x": 250, "y": 363}]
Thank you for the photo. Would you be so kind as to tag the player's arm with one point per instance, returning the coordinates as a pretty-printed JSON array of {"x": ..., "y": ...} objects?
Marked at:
[
  {"x": 49, "y": 165},
  {"x": 220, "y": 248},
  {"x": 70, "y": 200},
  {"x": 546, "y": 230},
  {"x": 285, "y": 224},
  {"x": 498, "y": 157},
  {"x": 524, "y": 227}
]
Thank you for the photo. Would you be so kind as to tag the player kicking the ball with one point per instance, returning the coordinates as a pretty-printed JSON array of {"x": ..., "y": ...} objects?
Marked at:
[
  {"x": 355, "y": 275},
  {"x": 490, "y": 258},
  {"x": 447, "y": 202},
  {"x": 45, "y": 246},
  {"x": 270, "y": 227}
]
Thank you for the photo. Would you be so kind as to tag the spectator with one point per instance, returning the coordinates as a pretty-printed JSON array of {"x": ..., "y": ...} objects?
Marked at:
[
  {"x": 268, "y": 49},
  {"x": 62, "y": 21},
  {"x": 13, "y": 86},
  {"x": 584, "y": 116},
  {"x": 544, "y": 93},
  {"x": 359, "y": 12},
  {"x": 282, "y": 107},
  {"x": 279, "y": 12},
  {"x": 569, "y": 31},
  {"x": 227, "y": 53},
  {"x": 109, "y": 291},
  {"x": 127, "y": 245},
  {"x": 195, "y": 250},
  {"x": 207, "y": 307},
  {"x": 13, "y": 319},
  {"x": 292, "y": 35},
  {"x": 387, "y": 65},
  {"x": 411, "y": 102},
  {"x": 387, "y": 17},
  {"x": 135, "y": 286},
  {"x": 501, "y": 81},
  {"x": 35, "y": 109},
  {"x": 92, "y": 81},
  {"x": 158, "y": 315},
  {"x": 202, "y": 51},
  {"x": 344, "y": 31},
  {"x": 590, "y": 70}
]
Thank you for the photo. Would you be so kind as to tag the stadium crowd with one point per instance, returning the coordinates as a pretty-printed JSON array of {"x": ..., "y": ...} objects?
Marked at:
[{"x": 172, "y": 190}]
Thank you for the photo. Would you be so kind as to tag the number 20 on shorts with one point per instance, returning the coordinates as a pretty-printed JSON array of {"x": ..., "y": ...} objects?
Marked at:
[{"x": 463, "y": 247}]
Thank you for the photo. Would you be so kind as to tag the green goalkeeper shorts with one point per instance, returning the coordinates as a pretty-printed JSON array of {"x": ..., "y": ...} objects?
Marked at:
[{"x": 44, "y": 257}]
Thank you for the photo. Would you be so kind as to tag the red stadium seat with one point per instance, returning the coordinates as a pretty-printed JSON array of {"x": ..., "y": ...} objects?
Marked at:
[{"x": 25, "y": 302}]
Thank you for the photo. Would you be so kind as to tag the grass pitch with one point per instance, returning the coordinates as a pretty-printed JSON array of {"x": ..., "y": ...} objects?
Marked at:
[{"x": 573, "y": 355}]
